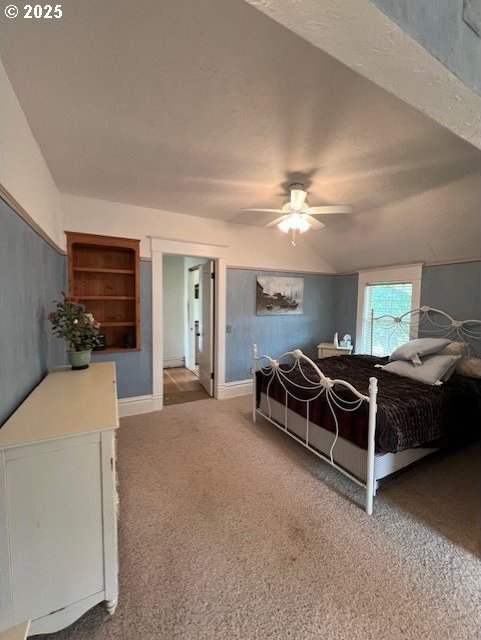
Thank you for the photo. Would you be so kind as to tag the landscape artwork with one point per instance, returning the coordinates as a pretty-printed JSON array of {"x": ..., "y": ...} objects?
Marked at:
[{"x": 278, "y": 295}]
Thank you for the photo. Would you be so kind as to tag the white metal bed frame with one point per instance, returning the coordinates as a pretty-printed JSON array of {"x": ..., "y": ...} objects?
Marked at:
[
  {"x": 462, "y": 329},
  {"x": 431, "y": 322}
]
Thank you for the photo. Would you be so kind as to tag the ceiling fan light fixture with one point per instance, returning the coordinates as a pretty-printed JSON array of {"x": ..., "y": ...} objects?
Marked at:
[
  {"x": 294, "y": 222},
  {"x": 298, "y": 216}
]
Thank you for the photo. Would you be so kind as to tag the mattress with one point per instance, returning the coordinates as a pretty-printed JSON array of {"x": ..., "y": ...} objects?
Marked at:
[{"x": 410, "y": 414}]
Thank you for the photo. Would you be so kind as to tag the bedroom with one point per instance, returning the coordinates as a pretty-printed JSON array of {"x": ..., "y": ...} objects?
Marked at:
[{"x": 171, "y": 122}]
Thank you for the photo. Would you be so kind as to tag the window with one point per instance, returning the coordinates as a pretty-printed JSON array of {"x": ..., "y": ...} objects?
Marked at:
[
  {"x": 392, "y": 299},
  {"x": 392, "y": 292}
]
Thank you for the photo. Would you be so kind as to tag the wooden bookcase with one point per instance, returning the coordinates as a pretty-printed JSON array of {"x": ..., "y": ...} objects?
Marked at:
[{"x": 104, "y": 274}]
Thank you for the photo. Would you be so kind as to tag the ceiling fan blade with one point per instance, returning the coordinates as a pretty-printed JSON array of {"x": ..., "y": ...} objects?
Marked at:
[
  {"x": 315, "y": 224},
  {"x": 298, "y": 197},
  {"x": 275, "y": 222},
  {"x": 269, "y": 210},
  {"x": 335, "y": 208}
]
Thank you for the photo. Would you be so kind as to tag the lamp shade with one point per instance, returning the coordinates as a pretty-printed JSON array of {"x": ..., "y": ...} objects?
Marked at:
[{"x": 296, "y": 222}]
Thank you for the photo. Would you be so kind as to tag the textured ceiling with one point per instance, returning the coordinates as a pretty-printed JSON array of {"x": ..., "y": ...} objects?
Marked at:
[
  {"x": 361, "y": 36},
  {"x": 205, "y": 107}
]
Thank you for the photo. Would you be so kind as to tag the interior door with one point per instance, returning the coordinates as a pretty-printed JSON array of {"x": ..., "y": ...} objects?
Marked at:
[
  {"x": 190, "y": 355},
  {"x": 206, "y": 342}
]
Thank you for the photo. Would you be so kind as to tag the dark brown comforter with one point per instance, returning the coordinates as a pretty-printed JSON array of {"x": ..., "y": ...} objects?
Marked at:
[{"x": 410, "y": 413}]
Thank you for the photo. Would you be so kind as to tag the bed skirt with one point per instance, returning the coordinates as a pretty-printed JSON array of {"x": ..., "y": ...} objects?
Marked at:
[{"x": 346, "y": 454}]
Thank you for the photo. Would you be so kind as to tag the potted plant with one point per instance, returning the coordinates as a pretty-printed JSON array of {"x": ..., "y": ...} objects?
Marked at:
[{"x": 79, "y": 329}]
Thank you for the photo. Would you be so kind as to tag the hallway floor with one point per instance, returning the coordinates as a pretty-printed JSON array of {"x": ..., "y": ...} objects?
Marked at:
[{"x": 181, "y": 385}]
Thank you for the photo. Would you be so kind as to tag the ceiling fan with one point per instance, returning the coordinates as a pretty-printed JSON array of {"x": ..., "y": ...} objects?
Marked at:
[{"x": 297, "y": 215}]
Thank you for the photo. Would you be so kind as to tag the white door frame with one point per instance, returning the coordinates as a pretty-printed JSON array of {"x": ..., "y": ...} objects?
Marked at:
[
  {"x": 190, "y": 337},
  {"x": 207, "y": 321},
  {"x": 218, "y": 253}
]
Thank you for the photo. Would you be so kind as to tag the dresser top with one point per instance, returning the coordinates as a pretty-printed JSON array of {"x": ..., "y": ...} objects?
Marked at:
[{"x": 65, "y": 403}]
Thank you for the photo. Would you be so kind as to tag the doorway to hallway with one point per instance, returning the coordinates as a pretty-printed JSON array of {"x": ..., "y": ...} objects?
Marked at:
[
  {"x": 188, "y": 328},
  {"x": 182, "y": 385}
]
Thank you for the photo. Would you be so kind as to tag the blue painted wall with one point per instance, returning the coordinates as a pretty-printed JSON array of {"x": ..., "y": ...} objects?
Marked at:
[
  {"x": 330, "y": 305},
  {"x": 345, "y": 304},
  {"x": 32, "y": 275},
  {"x": 454, "y": 288},
  {"x": 134, "y": 369},
  {"x": 274, "y": 334},
  {"x": 439, "y": 27}
]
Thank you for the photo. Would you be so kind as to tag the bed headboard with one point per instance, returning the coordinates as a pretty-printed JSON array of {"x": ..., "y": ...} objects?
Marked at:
[{"x": 428, "y": 321}]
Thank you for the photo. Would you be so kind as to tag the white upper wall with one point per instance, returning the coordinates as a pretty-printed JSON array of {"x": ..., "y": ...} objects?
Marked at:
[
  {"x": 23, "y": 170},
  {"x": 174, "y": 309},
  {"x": 246, "y": 246}
]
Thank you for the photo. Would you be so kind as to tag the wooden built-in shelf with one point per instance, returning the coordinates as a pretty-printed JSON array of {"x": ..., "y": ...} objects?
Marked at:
[
  {"x": 104, "y": 274},
  {"x": 115, "y": 349},
  {"x": 81, "y": 297},
  {"x": 99, "y": 270},
  {"x": 117, "y": 324}
]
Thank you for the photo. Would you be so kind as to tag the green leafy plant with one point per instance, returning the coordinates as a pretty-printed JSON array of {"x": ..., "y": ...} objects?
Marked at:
[{"x": 70, "y": 322}]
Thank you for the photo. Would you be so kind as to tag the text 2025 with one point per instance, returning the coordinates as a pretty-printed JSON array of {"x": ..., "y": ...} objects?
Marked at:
[{"x": 42, "y": 11}]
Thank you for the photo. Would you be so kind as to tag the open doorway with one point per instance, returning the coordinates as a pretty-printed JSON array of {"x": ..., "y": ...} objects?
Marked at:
[{"x": 188, "y": 328}]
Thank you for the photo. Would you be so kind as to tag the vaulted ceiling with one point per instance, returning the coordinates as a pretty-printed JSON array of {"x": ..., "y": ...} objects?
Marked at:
[{"x": 205, "y": 107}]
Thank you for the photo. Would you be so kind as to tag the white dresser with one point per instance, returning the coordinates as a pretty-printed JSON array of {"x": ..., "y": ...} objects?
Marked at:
[
  {"x": 327, "y": 349},
  {"x": 19, "y": 632},
  {"x": 58, "y": 501}
]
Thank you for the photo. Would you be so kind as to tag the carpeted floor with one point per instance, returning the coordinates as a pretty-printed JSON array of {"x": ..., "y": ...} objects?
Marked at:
[{"x": 231, "y": 531}]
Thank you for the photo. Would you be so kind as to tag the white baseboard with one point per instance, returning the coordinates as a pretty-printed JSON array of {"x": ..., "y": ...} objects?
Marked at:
[
  {"x": 170, "y": 362},
  {"x": 235, "y": 389},
  {"x": 146, "y": 404},
  {"x": 139, "y": 404}
]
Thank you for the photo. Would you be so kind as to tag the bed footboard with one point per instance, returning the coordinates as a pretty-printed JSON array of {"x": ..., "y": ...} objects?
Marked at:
[{"x": 315, "y": 386}]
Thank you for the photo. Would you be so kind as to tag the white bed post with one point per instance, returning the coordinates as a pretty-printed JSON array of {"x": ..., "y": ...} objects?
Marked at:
[
  {"x": 254, "y": 380},
  {"x": 371, "y": 444}
]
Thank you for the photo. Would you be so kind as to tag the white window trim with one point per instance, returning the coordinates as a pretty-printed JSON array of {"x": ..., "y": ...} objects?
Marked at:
[{"x": 390, "y": 275}]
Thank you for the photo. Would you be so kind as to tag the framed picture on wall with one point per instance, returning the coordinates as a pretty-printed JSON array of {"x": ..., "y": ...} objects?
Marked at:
[{"x": 278, "y": 295}]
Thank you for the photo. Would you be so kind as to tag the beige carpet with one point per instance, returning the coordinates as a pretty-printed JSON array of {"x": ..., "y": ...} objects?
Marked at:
[{"x": 230, "y": 530}]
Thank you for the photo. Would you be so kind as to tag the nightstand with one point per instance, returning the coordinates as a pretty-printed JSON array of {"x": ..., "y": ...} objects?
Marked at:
[{"x": 327, "y": 349}]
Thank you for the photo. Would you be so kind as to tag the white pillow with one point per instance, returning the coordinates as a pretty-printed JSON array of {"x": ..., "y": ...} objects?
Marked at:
[
  {"x": 433, "y": 370},
  {"x": 416, "y": 349}
]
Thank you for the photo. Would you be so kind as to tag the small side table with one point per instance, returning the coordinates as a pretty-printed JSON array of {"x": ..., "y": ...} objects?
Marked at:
[{"x": 327, "y": 349}]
